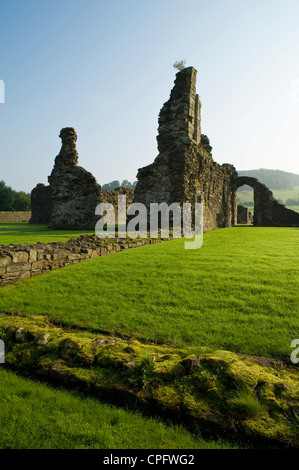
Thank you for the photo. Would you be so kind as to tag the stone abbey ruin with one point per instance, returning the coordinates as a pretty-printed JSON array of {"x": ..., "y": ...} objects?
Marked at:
[{"x": 184, "y": 171}]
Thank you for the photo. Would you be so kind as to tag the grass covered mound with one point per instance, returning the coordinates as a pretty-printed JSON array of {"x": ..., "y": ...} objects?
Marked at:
[
  {"x": 238, "y": 292},
  {"x": 219, "y": 392}
]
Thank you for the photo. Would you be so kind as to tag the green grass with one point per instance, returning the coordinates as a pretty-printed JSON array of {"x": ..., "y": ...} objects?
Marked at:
[
  {"x": 238, "y": 292},
  {"x": 244, "y": 402},
  {"x": 24, "y": 232},
  {"x": 36, "y": 416}
]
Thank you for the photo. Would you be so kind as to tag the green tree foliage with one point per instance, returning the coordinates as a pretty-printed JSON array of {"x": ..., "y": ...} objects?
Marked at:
[
  {"x": 110, "y": 186},
  {"x": 11, "y": 200},
  {"x": 127, "y": 184},
  {"x": 116, "y": 184},
  {"x": 180, "y": 64}
]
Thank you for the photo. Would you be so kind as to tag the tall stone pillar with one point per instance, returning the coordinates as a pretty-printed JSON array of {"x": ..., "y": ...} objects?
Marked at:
[
  {"x": 75, "y": 192},
  {"x": 184, "y": 170}
]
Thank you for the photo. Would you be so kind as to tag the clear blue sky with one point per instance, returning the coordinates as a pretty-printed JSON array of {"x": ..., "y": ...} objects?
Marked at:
[{"x": 106, "y": 68}]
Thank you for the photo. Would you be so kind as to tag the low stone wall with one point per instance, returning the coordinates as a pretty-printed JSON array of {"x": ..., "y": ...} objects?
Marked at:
[
  {"x": 19, "y": 262},
  {"x": 10, "y": 217}
]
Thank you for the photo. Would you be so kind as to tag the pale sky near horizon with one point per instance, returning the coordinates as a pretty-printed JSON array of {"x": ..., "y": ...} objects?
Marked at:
[{"x": 106, "y": 68}]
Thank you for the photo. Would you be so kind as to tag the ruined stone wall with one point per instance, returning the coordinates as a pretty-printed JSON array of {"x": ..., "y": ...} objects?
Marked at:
[
  {"x": 244, "y": 216},
  {"x": 18, "y": 262},
  {"x": 112, "y": 196},
  {"x": 41, "y": 205},
  {"x": 7, "y": 217},
  {"x": 184, "y": 170},
  {"x": 75, "y": 192},
  {"x": 267, "y": 210},
  {"x": 282, "y": 216}
]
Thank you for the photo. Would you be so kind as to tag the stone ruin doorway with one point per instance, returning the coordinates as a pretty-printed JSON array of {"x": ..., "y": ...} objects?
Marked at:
[
  {"x": 262, "y": 198},
  {"x": 245, "y": 205}
]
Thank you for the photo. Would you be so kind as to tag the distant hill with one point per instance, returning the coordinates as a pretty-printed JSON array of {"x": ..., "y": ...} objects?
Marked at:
[{"x": 273, "y": 179}]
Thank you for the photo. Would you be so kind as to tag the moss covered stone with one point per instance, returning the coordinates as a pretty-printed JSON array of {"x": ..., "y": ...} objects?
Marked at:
[{"x": 221, "y": 392}]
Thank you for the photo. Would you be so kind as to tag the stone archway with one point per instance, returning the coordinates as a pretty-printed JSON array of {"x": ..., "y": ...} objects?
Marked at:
[
  {"x": 262, "y": 199},
  {"x": 267, "y": 210}
]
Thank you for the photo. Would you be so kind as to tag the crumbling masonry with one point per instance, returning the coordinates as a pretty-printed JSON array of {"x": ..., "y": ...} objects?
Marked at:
[
  {"x": 73, "y": 193},
  {"x": 184, "y": 171}
]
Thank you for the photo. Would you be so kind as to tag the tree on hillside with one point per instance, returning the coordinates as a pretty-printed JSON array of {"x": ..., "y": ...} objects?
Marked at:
[
  {"x": 128, "y": 184},
  {"x": 110, "y": 186},
  {"x": 116, "y": 184}
]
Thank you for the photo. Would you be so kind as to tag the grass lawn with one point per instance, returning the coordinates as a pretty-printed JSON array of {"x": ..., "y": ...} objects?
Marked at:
[
  {"x": 238, "y": 292},
  {"x": 24, "y": 232},
  {"x": 36, "y": 416}
]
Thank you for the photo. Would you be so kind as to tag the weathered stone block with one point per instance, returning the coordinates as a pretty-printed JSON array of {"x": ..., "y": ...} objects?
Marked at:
[
  {"x": 25, "y": 275},
  {"x": 13, "y": 268},
  {"x": 4, "y": 261},
  {"x": 37, "y": 265},
  {"x": 36, "y": 272},
  {"x": 20, "y": 257},
  {"x": 42, "y": 340},
  {"x": 32, "y": 256}
]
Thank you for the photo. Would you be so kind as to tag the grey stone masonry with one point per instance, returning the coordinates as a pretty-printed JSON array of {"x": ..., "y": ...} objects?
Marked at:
[
  {"x": 184, "y": 170},
  {"x": 267, "y": 210},
  {"x": 23, "y": 261},
  {"x": 75, "y": 192}
]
